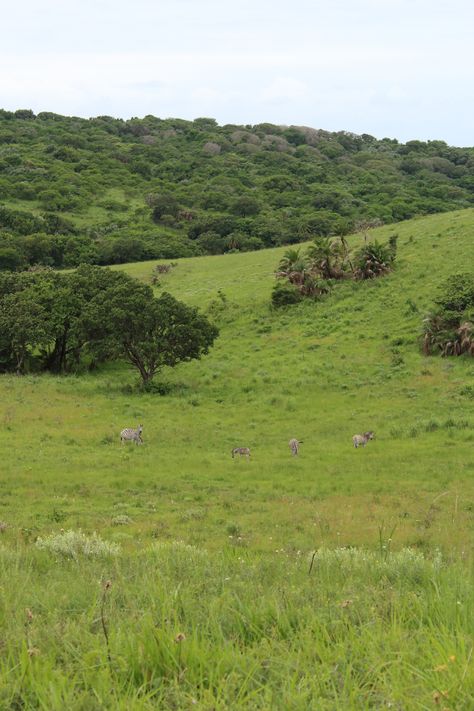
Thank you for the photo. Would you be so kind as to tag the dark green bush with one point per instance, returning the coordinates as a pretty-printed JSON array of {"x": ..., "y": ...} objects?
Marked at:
[{"x": 284, "y": 294}]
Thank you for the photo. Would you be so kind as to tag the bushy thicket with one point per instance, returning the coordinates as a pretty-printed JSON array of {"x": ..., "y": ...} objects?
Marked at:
[
  {"x": 314, "y": 271},
  {"x": 449, "y": 328},
  {"x": 105, "y": 191}
]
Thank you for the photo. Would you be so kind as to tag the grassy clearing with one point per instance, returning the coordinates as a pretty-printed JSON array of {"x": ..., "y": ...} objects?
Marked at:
[{"x": 271, "y": 636}]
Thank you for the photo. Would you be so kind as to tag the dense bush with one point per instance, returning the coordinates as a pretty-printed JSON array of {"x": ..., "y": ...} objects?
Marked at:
[
  {"x": 284, "y": 294},
  {"x": 107, "y": 179},
  {"x": 314, "y": 272},
  {"x": 449, "y": 329}
]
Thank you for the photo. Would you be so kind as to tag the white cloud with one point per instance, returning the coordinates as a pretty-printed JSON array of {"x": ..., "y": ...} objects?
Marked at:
[{"x": 340, "y": 65}]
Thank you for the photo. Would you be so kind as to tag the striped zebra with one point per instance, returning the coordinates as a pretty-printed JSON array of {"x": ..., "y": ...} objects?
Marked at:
[
  {"x": 294, "y": 446},
  {"x": 129, "y": 434},
  {"x": 242, "y": 451},
  {"x": 362, "y": 439}
]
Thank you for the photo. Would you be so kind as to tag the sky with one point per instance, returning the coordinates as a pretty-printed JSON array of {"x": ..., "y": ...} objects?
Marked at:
[{"x": 397, "y": 68}]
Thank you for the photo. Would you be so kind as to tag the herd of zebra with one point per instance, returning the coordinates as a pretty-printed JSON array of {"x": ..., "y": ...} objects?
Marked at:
[{"x": 135, "y": 435}]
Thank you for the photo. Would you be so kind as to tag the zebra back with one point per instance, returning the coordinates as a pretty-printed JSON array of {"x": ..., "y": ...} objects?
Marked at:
[
  {"x": 130, "y": 434},
  {"x": 241, "y": 450}
]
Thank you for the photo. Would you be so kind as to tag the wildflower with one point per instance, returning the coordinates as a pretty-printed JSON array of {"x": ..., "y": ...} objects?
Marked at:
[
  {"x": 452, "y": 658},
  {"x": 180, "y": 637}
]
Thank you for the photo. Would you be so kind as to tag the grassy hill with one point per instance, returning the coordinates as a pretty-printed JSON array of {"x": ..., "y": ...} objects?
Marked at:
[
  {"x": 107, "y": 191},
  {"x": 220, "y": 549}
]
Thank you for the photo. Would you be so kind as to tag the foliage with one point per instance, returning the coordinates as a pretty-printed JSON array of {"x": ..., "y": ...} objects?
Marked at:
[
  {"x": 329, "y": 258},
  {"x": 373, "y": 260},
  {"x": 105, "y": 191},
  {"x": 148, "y": 333},
  {"x": 313, "y": 272},
  {"x": 449, "y": 329},
  {"x": 58, "y": 321},
  {"x": 285, "y": 295}
]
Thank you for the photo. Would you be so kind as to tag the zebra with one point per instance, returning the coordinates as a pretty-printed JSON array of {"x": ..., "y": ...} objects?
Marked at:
[
  {"x": 294, "y": 445},
  {"x": 362, "y": 439},
  {"x": 242, "y": 451},
  {"x": 129, "y": 434}
]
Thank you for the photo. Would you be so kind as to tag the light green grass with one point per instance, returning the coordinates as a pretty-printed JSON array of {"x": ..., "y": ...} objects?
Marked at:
[{"x": 318, "y": 371}]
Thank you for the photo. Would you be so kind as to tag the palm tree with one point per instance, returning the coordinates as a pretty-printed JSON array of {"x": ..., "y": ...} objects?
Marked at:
[
  {"x": 293, "y": 266},
  {"x": 328, "y": 258},
  {"x": 373, "y": 260}
]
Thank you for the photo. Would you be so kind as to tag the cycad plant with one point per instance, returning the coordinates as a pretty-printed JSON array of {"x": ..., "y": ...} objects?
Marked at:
[
  {"x": 299, "y": 270},
  {"x": 373, "y": 260},
  {"x": 329, "y": 258},
  {"x": 293, "y": 266}
]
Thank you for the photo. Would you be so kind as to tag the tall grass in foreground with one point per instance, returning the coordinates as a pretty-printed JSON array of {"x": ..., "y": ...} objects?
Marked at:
[{"x": 177, "y": 627}]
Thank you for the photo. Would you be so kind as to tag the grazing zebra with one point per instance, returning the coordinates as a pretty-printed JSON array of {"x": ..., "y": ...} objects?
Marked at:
[
  {"x": 294, "y": 445},
  {"x": 129, "y": 434},
  {"x": 242, "y": 451},
  {"x": 362, "y": 439}
]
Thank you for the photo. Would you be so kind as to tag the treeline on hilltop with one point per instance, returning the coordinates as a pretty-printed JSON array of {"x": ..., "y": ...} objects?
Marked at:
[{"x": 106, "y": 190}]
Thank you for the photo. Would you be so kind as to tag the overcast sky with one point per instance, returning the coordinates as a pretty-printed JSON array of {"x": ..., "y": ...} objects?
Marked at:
[{"x": 397, "y": 68}]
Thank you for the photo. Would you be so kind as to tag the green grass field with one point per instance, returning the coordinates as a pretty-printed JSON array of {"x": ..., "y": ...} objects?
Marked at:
[{"x": 220, "y": 549}]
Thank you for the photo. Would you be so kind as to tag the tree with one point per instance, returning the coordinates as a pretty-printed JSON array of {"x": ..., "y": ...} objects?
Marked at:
[
  {"x": 162, "y": 204},
  {"x": 24, "y": 326},
  {"x": 329, "y": 258},
  {"x": 246, "y": 205},
  {"x": 65, "y": 298},
  {"x": 297, "y": 269},
  {"x": 10, "y": 259},
  {"x": 373, "y": 260},
  {"x": 128, "y": 322}
]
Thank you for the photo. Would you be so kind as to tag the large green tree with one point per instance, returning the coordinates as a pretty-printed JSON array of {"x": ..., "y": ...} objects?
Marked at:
[{"x": 149, "y": 333}]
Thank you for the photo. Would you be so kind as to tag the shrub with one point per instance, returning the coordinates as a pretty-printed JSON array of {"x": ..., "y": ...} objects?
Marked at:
[
  {"x": 285, "y": 295},
  {"x": 73, "y": 544},
  {"x": 10, "y": 259},
  {"x": 450, "y": 328},
  {"x": 374, "y": 260}
]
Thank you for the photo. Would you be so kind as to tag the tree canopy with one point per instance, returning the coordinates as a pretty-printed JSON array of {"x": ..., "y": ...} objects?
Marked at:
[
  {"x": 106, "y": 191},
  {"x": 63, "y": 321}
]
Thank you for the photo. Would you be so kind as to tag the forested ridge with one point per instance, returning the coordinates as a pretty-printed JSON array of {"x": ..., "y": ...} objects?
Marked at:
[{"x": 106, "y": 190}]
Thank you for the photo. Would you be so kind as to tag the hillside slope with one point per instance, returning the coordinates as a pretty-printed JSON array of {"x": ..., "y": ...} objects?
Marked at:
[
  {"x": 318, "y": 371},
  {"x": 338, "y": 579},
  {"x": 109, "y": 191}
]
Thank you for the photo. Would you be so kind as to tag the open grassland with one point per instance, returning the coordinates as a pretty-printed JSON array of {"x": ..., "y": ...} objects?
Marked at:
[{"x": 386, "y": 626}]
